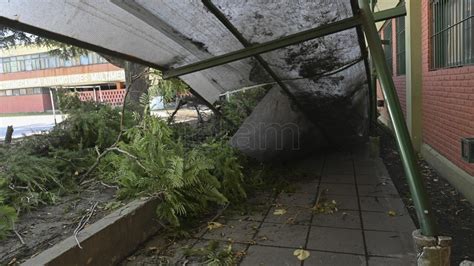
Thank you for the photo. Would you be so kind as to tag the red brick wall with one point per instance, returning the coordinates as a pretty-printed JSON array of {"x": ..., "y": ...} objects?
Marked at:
[
  {"x": 25, "y": 103},
  {"x": 448, "y": 103},
  {"x": 112, "y": 97},
  {"x": 400, "y": 81}
]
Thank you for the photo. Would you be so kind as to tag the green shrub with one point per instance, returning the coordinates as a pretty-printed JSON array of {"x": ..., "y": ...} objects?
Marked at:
[
  {"x": 226, "y": 167},
  {"x": 189, "y": 181},
  {"x": 8, "y": 216},
  {"x": 27, "y": 180},
  {"x": 88, "y": 124},
  {"x": 239, "y": 106},
  {"x": 38, "y": 169}
]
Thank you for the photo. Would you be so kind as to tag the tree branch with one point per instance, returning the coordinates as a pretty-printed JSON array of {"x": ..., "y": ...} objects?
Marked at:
[{"x": 113, "y": 147}]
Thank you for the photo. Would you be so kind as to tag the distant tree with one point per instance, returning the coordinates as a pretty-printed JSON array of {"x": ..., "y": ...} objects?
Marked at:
[{"x": 10, "y": 38}]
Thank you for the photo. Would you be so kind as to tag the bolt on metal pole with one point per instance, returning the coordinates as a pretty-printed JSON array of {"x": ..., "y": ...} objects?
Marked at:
[{"x": 408, "y": 156}]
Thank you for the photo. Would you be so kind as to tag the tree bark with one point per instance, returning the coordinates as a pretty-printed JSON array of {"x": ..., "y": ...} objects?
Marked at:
[
  {"x": 140, "y": 85},
  {"x": 132, "y": 70},
  {"x": 9, "y": 135}
]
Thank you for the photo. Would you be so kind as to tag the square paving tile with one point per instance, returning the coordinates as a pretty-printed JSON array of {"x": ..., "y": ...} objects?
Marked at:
[
  {"x": 342, "y": 160},
  {"x": 342, "y": 219},
  {"x": 261, "y": 255},
  {"x": 293, "y": 215},
  {"x": 251, "y": 212},
  {"x": 310, "y": 168},
  {"x": 378, "y": 190},
  {"x": 233, "y": 230},
  {"x": 377, "y": 261},
  {"x": 371, "y": 179},
  {"x": 344, "y": 169},
  {"x": 344, "y": 202},
  {"x": 336, "y": 239},
  {"x": 339, "y": 156},
  {"x": 338, "y": 179},
  {"x": 307, "y": 186},
  {"x": 260, "y": 197},
  {"x": 296, "y": 199},
  {"x": 365, "y": 167},
  {"x": 369, "y": 172},
  {"x": 320, "y": 258},
  {"x": 384, "y": 222},
  {"x": 339, "y": 189},
  {"x": 381, "y": 204},
  {"x": 282, "y": 235},
  {"x": 390, "y": 244}
]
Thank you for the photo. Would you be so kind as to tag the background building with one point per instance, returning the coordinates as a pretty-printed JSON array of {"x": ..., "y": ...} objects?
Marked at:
[{"x": 29, "y": 74}]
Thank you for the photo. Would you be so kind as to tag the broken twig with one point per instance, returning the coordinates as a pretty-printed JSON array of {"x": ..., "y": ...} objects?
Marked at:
[
  {"x": 16, "y": 232},
  {"x": 82, "y": 223}
]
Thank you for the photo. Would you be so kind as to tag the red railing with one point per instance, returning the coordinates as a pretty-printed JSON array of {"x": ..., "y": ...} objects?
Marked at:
[{"x": 112, "y": 97}]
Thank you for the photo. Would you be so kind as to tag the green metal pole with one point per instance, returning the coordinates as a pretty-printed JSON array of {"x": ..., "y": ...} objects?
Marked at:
[
  {"x": 373, "y": 96},
  {"x": 373, "y": 86},
  {"x": 408, "y": 156}
]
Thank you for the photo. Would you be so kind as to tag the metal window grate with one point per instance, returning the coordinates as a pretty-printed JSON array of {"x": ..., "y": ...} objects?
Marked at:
[
  {"x": 401, "y": 59},
  {"x": 387, "y": 35},
  {"x": 452, "y": 30}
]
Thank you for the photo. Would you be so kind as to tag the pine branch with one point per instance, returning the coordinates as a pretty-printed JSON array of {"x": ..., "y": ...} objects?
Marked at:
[{"x": 113, "y": 147}]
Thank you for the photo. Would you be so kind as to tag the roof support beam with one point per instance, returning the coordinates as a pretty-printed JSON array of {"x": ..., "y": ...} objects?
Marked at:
[
  {"x": 221, "y": 17},
  {"x": 390, "y": 13},
  {"x": 264, "y": 47},
  {"x": 296, "y": 38}
]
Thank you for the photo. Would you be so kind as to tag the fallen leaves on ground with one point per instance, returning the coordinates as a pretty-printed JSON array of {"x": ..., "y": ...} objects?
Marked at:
[
  {"x": 392, "y": 213},
  {"x": 251, "y": 242},
  {"x": 325, "y": 206},
  {"x": 240, "y": 254},
  {"x": 214, "y": 225},
  {"x": 301, "y": 254},
  {"x": 279, "y": 212}
]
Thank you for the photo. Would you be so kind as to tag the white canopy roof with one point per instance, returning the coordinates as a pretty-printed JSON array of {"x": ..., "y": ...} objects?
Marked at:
[{"x": 169, "y": 33}]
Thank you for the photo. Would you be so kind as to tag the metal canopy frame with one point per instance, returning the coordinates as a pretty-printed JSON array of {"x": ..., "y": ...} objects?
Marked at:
[
  {"x": 363, "y": 18},
  {"x": 235, "y": 32},
  {"x": 265, "y": 47}
]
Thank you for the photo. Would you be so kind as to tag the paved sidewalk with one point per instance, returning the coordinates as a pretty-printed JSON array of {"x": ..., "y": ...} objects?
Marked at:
[
  {"x": 28, "y": 124},
  {"x": 370, "y": 226}
]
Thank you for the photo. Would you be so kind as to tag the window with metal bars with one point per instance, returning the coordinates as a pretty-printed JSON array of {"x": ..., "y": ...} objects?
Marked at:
[
  {"x": 401, "y": 59},
  {"x": 387, "y": 36},
  {"x": 452, "y": 33}
]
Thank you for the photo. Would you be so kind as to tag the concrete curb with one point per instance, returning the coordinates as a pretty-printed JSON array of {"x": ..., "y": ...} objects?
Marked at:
[
  {"x": 455, "y": 175},
  {"x": 108, "y": 240}
]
